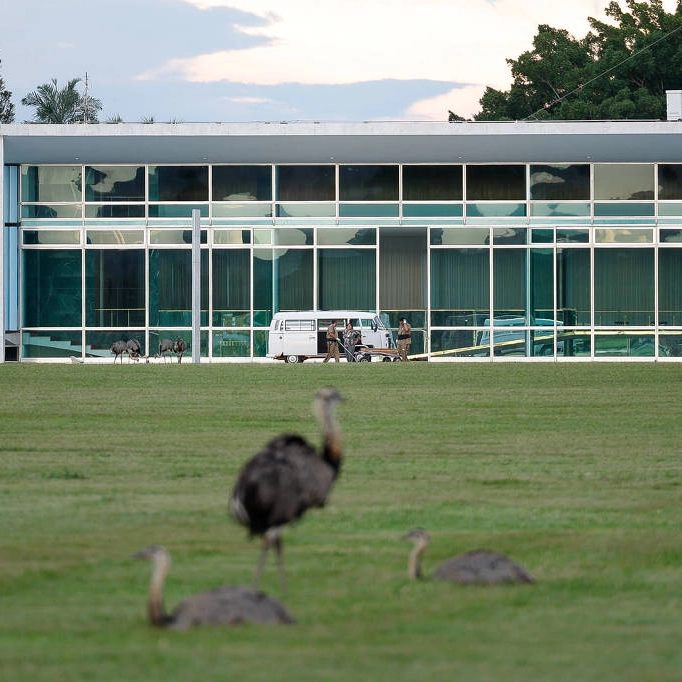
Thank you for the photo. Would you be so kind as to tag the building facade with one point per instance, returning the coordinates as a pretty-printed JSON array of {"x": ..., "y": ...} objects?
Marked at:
[{"x": 515, "y": 240}]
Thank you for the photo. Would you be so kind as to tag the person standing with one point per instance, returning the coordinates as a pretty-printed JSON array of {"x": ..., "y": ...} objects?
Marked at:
[
  {"x": 332, "y": 343},
  {"x": 404, "y": 339},
  {"x": 351, "y": 338}
]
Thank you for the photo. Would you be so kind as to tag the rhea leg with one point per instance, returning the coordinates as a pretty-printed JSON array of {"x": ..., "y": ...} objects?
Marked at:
[{"x": 272, "y": 538}]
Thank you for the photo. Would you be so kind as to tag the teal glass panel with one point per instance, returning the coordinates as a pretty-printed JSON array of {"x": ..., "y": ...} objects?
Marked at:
[
  {"x": 368, "y": 210},
  {"x": 170, "y": 287},
  {"x": 509, "y": 283},
  {"x": 671, "y": 235},
  {"x": 169, "y": 236},
  {"x": 260, "y": 343},
  {"x": 626, "y": 344},
  {"x": 495, "y": 182},
  {"x": 461, "y": 235},
  {"x": 46, "y": 184},
  {"x": 156, "y": 336},
  {"x": 495, "y": 210},
  {"x": 573, "y": 235},
  {"x": 611, "y": 235},
  {"x": 114, "y": 211},
  {"x": 114, "y": 288},
  {"x": 347, "y": 279},
  {"x": 305, "y": 183},
  {"x": 98, "y": 343},
  {"x": 670, "y": 344},
  {"x": 573, "y": 289},
  {"x": 231, "y": 287},
  {"x": 460, "y": 285},
  {"x": 241, "y": 183},
  {"x": 623, "y": 209},
  {"x": 242, "y": 210},
  {"x": 669, "y": 181},
  {"x": 177, "y": 210},
  {"x": 51, "y": 343},
  {"x": 282, "y": 280},
  {"x": 52, "y": 286},
  {"x": 302, "y": 210},
  {"x": 178, "y": 183},
  {"x": 66, "y": 237},
  {"x": 456, "y": 343},
  {"x": 432, "y": 183},
  {"x": 623, "y": 181},
  {"x": 539, "y": 236},
  {"x": 509, "y": 235},
  {"x": 231, "y": 344},
  {"x": 338, "y": 236},
  {"x": 542, "y": 287},
  {"x": 560, "y": 182},
  {"x": 114, "y": 183},
  {"x": 51, "y": 211},
  {"x": 559, "y": 210},
  {"x": 432, "y": 210},
  {"x": 670, "y": 209},
  {"x": 368, "y": 183},
  {"x": 97, "y": 237},
  {"x": 624, "y": 286},
  {"x": 231, "y": 236},
  {"x": 670, "y": 286}
]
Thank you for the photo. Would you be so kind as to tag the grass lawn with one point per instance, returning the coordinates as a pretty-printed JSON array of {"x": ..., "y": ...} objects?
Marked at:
[{"x": 574, "y": 470}]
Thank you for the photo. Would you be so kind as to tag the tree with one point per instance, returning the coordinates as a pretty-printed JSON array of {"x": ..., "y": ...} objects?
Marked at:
[
  {"x": 65, "y": 105},
  {"x": 618, "y": 70},
  {"x": 6, "y": 106}
]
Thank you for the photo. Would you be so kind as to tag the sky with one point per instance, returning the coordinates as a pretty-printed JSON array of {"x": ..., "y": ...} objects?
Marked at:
[{"x": 277, "y": 60}]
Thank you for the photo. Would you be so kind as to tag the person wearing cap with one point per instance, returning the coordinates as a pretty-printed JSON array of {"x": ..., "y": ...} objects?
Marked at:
[
  {"x": 332, "y": 343},
  {"x": 404, "y": 339}
]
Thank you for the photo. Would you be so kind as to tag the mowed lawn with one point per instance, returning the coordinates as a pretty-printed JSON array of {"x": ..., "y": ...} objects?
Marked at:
[{"x": 574, "y": 470}]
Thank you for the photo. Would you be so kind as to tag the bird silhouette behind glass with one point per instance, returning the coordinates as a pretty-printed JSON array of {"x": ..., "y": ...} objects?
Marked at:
[
  {"x": 220, "y": 606},
  {"x": 286, "y": 478}
]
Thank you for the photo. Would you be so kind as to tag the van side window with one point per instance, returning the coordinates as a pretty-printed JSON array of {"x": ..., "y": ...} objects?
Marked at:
[{"x": 299, "y": 325}]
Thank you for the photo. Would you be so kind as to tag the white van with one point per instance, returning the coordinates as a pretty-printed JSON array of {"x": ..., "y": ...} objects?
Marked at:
[{"x": 298, "y": 336}]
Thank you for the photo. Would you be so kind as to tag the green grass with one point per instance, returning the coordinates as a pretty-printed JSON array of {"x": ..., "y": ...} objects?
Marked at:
[{"x": 574, "y": 470}]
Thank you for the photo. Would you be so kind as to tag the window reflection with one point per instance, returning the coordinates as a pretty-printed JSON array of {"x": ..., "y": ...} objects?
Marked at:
[
  {"x": 242, "y": 183},
  {"x": 623, "y": 181},
  {"x": 114, "y": 183},
  {"x": 178, "y": 183},
  {"x": 432, "y": 183},
  {"x": 306, "y": 183},
  {"x": 554, "y": 182},
  {"x": 368, "y": 183},
  {"x": 495, "y": 182}
]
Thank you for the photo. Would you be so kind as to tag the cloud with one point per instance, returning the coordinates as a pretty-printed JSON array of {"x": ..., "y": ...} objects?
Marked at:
[{"x": 318, "y": 42}]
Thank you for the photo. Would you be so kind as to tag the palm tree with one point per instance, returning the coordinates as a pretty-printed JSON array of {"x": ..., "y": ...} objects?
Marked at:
[
  {"x": 65, "y": 105},
  {"x": 6, "y": 106}
]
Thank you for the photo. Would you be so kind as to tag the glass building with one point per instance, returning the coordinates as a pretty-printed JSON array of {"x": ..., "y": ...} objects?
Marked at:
[{"x": 542, "y": 241}]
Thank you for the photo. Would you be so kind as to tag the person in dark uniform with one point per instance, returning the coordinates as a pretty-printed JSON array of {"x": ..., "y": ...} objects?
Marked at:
[{"x": 332, "y": 343}]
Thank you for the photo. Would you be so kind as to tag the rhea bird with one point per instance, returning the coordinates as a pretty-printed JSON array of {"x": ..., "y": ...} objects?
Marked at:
[
  {"x": 286, "y": 478},
  {"x": 165, "y": 346},
  {"x": 478, "y": 567},
  {"x": 220, "y": 606},
  {"x": 179, "y": 347},
  {"x": 118, "y": 348}
]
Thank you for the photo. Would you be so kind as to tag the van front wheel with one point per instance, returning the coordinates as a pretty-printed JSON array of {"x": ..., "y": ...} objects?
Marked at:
[{"x": 291, "y": 359}]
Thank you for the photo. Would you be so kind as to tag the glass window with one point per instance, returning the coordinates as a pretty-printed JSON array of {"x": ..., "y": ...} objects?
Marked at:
[
  {"x": 564, "y": 182},
  {"x": 623, "y": 181},
  {"x": 432, "y": 210},
  {"x": 52, "y": 288},
  {"x": 306, "y": 183},
  {"x": 624, "y": 286},
  {"x": 65, "y": 237},
  {"x": 114, "y": 183},
  {"x": 368, "y": 183},
  {"x": 114, "y": 211},
  {"x": 242, "y": 183},
  {"x": 232, "y": 344},
  {"x": 231, "y": 287},
  {"x": 282, "y": 280},
  {"x": 573, "y": 286},
  {"x": 53, "y": 343},
  {"x": 509, "y": 282},
  {"x": 559, "y": 210},
  {"x": 670, "y": 286},
  {"x": 460, "y": 235},
  {"x": 170, "y": 287},
  {"x": 178, "y": 183},
  {"x": 500, "y": 210},
  {"x": 432, "y": 183},
  {"x": 670, "y": 181},
  {"x": 460, "y": 284},
  {"x": 51, "y": 183},
  {"x": 115, "y": 237},
  {"x": 369, "y": 210},
  {"x": 495, "y": 183},
  {"x": 334, "y": 236},
  {"x": 114, "y": 288},
  {"x": 347, "y": 279},
  {"x": 305, "y": 210},
  {"x": 51, "y": 211}
]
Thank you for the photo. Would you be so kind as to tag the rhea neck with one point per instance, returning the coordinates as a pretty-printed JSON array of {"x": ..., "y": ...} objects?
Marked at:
[
  {"x": 414, "y": 564},
  {"x": 332, "y": 447},
  {"x": 155, "y": 609}
]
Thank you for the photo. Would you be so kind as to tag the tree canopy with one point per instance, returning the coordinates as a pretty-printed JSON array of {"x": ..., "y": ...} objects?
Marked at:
[
  {"x": 62, "y": 105},
  {"x": 6, "y": 106},
  {"x": 620, "y": 69}
]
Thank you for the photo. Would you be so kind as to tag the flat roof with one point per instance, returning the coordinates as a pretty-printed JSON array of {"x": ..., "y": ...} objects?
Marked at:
[{"x": 330, "y": 142}]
